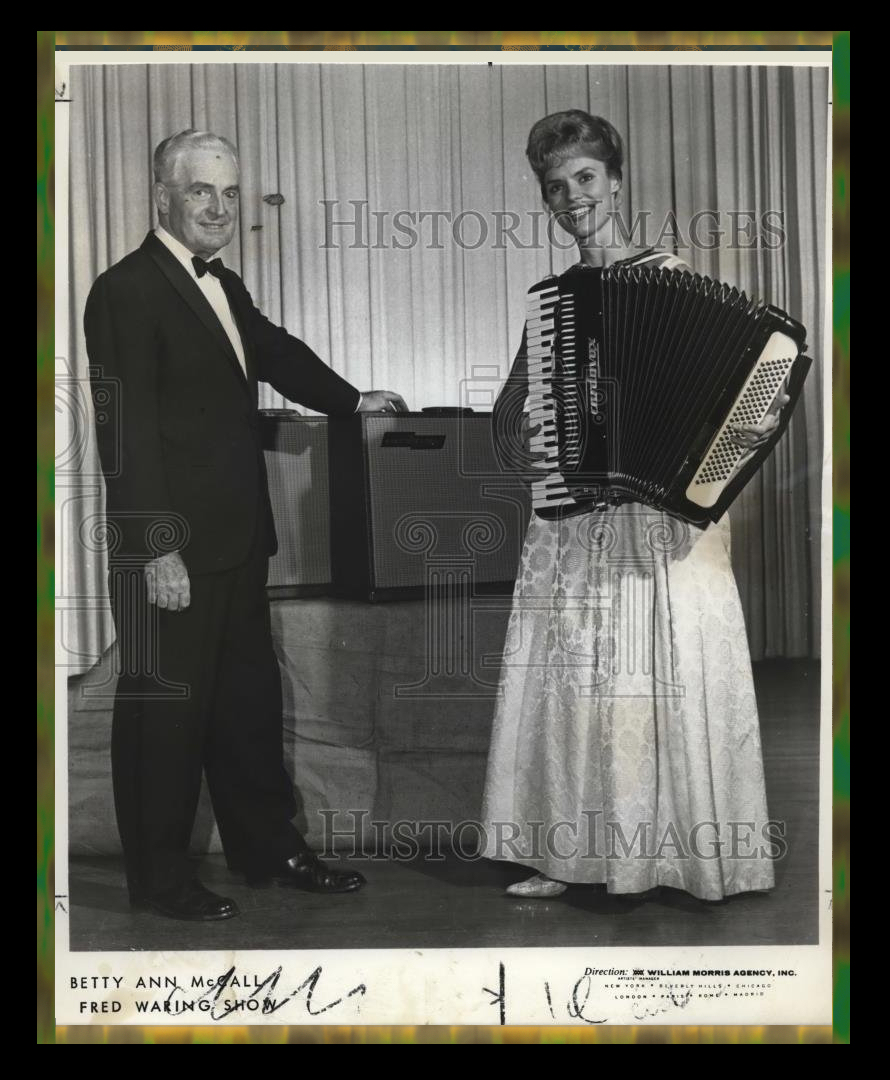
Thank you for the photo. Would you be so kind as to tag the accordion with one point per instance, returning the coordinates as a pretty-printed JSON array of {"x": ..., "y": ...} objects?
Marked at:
[{"x": 636, "y": 376}]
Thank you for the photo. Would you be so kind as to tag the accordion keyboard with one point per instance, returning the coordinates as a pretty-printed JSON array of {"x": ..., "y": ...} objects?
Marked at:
[{"x": 551, "y": 490}]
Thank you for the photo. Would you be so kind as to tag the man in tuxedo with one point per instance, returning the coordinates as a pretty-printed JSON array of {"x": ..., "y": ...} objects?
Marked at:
[{"x": 190, "y": 532}]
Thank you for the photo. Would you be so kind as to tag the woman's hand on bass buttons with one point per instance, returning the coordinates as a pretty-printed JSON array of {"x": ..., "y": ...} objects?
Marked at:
[{"x": 751, "y": 438}]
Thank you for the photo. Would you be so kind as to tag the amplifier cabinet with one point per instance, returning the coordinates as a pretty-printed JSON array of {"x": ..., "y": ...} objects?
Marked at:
[
  {"x": 420, "y": 503},
  {"x": 296, "y": 451}
]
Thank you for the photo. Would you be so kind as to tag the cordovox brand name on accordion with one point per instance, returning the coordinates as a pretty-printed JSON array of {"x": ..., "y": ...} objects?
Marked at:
[{"x": 637, "y": 376}]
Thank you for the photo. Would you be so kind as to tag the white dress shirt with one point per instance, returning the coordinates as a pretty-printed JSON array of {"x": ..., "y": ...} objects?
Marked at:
[{"x": 212, "y": 289}]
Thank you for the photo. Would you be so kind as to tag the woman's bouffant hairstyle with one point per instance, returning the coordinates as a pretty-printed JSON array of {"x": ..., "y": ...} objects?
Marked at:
[{"x": 571, "y": 134}]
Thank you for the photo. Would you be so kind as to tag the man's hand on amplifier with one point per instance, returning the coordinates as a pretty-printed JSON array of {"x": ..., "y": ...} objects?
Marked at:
[
  {"x": 167, "y": 581},
  {"x": 382, "y": 401}
]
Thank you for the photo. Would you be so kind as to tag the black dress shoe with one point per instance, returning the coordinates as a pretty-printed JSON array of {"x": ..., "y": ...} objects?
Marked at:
[
  {"x": 191, "y": 902},
  {"x": 308, "y": 872}
]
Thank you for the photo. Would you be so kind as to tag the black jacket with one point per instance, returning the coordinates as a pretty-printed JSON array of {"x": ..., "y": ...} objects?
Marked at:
[{"x": 177, "y": 430}]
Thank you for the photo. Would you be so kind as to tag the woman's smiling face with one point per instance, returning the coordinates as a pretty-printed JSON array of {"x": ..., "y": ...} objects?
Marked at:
[{"x": 580, "y": 194}]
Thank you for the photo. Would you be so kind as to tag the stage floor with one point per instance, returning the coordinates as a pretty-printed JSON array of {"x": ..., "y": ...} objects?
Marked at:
[{"x": 454, "y": 903}]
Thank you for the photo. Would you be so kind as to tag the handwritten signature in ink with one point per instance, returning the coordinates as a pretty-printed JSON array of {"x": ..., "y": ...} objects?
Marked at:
[{"x": 263, "y": 998}]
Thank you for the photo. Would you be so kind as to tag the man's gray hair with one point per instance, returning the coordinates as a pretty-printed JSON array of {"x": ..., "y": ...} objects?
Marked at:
[{"x": 168, "y": 151}]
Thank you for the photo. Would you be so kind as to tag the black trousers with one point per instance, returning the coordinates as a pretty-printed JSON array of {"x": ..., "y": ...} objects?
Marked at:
[{"x": 199, "y": 690}]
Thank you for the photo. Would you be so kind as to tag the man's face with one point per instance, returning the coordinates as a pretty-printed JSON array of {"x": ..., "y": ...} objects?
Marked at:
[{"x": 199, "y": 204}]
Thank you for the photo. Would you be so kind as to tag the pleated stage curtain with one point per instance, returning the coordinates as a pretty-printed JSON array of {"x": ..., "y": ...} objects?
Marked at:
[{"x": 363, "y": 155}]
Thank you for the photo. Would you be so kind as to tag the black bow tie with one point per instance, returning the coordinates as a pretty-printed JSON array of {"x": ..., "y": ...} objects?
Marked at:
[{"x": 215, "y": 266}]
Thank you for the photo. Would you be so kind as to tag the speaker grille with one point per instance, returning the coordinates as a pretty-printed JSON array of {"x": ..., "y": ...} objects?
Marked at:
[
  {"x": 296, "y": 450},
  {"x": 438, "y": 506}
]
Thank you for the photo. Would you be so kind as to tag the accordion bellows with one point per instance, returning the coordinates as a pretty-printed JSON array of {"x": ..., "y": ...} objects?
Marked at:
[{"x": 636, "y": 376}]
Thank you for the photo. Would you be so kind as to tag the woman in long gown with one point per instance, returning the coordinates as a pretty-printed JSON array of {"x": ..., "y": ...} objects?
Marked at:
[{"x": 626, "y": 747}]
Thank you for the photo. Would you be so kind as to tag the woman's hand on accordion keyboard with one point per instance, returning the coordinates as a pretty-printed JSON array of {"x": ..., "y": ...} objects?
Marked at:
[{"x": 528, "y": 432}]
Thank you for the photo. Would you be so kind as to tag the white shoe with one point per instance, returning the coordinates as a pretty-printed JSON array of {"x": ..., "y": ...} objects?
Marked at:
[{"x": 539, "y": 887}]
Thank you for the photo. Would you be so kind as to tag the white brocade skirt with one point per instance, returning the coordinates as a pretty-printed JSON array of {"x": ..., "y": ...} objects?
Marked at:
[{"x": 626, "y": 747}]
